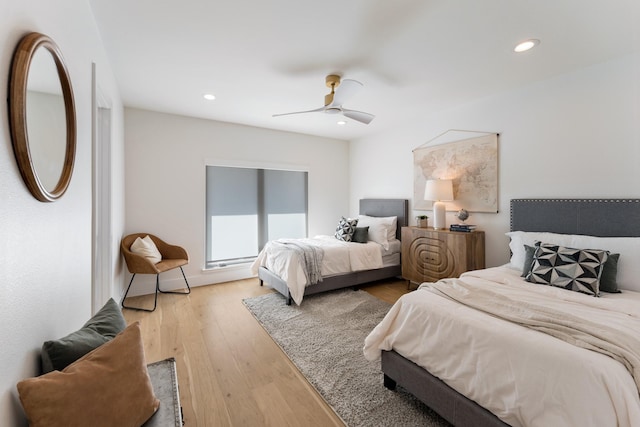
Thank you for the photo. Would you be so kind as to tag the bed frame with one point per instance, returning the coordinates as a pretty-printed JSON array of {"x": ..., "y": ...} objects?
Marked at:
[
  {"x": 593, "y": 217},
  {"x": 370, "y": 207}
]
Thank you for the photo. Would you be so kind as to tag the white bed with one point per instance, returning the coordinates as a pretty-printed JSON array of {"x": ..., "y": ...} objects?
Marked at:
[
  {"x": 344, "y": 264},
  {"x": 522, "y": 376},
  {"x": 339, "y": 257},
  {"x": 525, "y": 377}
]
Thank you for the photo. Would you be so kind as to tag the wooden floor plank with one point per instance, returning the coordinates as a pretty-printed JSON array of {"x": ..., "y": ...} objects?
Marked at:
[{"x": 230, "y": 371}]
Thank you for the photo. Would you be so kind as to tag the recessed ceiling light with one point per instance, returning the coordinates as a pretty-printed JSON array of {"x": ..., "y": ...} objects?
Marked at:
[
  {"x": 209, "y": 96},
  {"x": 342, "y": 122},
  {"x": 526, "y": 45}
]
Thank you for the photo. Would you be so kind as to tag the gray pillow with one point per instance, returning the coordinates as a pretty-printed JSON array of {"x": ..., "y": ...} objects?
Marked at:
[
  {"x": 361, "y": 235},
  {"x": 609, "y": 278},
  {"x": 102, "y": 327},
  {"x": 529, "y": 251}
]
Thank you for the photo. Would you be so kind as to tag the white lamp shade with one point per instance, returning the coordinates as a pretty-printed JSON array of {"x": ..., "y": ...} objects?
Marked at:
[{"x": 438, "y": 190}]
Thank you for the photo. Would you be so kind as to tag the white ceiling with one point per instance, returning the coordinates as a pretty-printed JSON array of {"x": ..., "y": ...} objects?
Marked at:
[{"x": 413, "y": 56}]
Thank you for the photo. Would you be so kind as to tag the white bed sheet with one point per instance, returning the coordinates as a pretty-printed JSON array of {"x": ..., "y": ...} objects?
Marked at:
[
  {"x": 525, "y": 377},
  {"x": 339, "y": 257}
]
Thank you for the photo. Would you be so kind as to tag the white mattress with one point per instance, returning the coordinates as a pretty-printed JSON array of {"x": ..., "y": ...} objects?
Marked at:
[
  {"x": 391, "y": 256},
  {"x": 525, "y": 377},
  {"x": 395, "y": 246},
  {"x": 391, "y": 260}
]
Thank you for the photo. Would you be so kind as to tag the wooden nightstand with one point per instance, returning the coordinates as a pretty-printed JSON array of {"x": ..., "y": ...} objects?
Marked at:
[{"x": 429, "y": 255}]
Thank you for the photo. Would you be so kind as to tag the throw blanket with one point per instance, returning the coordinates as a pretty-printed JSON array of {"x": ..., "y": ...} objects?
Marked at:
[
  {"x": 622, "y": 344},
  {"x": 311, "y": 257}
]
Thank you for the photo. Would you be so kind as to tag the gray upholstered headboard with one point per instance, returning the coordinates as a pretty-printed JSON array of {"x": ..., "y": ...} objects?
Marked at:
[
  {"x": 387, "y": 207},
  {"x": 592, "y": 217}
]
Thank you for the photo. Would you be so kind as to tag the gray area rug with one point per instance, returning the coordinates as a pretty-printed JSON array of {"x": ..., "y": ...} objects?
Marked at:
[{"x": 324, "y": 338}]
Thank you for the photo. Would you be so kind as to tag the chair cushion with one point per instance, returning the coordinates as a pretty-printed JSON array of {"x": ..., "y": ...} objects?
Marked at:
[
  {"x": 168, "y": 264},
  {"x": 102, "y": 327},
  {"x": 147, "y": 248},
  {"x": 109, "y": 386}
]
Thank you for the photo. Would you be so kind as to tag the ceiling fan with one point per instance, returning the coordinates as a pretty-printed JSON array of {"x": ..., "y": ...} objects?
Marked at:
[{"x": 340, "y": 92}]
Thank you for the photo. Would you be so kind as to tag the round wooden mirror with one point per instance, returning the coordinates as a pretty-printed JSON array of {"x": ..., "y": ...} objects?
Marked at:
[{"x": 42, "y": 117}]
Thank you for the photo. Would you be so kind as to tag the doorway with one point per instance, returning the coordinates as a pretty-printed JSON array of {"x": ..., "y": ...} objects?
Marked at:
[{"x": 102, "y": 259}]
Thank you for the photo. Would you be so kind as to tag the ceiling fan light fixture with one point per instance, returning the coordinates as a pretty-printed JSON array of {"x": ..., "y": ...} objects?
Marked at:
[
  {"x": 340, "y": 92},
  {"x": 526, "y": 45}
]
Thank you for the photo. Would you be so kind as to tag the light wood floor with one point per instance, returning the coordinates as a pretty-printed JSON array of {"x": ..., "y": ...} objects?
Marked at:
[{"x": 230, "y": 372}]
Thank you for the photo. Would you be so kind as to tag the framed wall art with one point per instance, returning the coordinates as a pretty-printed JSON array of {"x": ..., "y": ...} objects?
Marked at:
[{"x": 472, "y": 165}]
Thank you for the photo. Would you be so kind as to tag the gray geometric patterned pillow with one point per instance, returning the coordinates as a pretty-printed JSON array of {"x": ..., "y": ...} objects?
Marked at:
[
  {"x": 569, "y": 268},
  {"x": 346, "y": 228}
]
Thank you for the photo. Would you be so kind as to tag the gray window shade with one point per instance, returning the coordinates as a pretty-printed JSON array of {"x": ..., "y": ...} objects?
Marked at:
[
  {"x": 285, "y": 191},
  {"x": 246, "y": 205},
  {"x": 232, "y": 191}
]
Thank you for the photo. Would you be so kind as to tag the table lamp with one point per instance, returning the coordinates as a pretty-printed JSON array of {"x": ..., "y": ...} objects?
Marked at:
[{"x": 439, "y": 190}]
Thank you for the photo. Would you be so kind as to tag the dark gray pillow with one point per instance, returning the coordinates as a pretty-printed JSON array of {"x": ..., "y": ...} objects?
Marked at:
[
  {"x": 609, "y": 278},
  {"x": 361, "y": 235},
  {"x": 102, "y": 327},
  {"x": 529, "y": 251}
]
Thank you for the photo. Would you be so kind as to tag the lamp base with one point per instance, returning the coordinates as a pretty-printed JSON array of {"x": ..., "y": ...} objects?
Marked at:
[{"x": 439, "y": 216}]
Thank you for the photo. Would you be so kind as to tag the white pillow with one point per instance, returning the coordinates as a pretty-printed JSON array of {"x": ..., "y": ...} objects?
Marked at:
[
  {"x": 147, "y": 248},
  {"x": 521, "y": 238},
  {"x": 628, "y": 247},
  {"x": 629, "y": 250},
  {"x": 381, "y": 229}
]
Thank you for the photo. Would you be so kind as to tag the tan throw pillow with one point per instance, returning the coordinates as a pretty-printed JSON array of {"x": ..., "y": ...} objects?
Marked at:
[
  {"x": 109, "y": 386},
  {"x": 147, "y": 248}
]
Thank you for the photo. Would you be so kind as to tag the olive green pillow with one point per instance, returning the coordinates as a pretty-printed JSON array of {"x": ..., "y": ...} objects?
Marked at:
[{"x": 102, "y": 327}]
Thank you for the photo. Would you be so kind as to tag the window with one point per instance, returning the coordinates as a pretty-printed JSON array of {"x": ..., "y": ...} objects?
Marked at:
[{"x": 247, "y": 207}]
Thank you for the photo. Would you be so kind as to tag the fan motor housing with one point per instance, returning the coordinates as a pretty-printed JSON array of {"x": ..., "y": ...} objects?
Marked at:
[{"x": 332, "y": 81}]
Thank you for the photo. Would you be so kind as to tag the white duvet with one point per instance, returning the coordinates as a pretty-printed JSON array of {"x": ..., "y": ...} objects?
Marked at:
[
  {"x": 339, "y": 257},
  {"x": 525, "y": 377}
]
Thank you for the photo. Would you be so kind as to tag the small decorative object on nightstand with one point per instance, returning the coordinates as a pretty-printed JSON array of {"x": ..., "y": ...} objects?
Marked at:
[
  {"x": 463, "y": 227},
  {"x": 422, "y": 221},
  {"x": 429, "y": 255},
  {"x": 462, "y": 215}
]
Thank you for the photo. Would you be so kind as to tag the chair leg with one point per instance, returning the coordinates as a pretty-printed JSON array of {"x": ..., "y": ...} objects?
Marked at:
[
  {"x": 155, "y": 300},
  {"x": 178, "y": 292}
]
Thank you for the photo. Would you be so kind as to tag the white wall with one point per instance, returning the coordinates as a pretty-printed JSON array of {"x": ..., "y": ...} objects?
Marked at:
[
  {"x": 575, "y": 135},
  {"x": 165, "y": 176},
  {"x": 45, "y": 249}
]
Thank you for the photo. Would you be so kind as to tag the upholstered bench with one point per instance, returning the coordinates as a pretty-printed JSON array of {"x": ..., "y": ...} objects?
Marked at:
[{"x": 165, "y": 386}]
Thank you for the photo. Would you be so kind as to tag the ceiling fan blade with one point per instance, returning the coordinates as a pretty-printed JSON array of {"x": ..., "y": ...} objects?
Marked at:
[
  {"x": 344, "y": 91},
  {"x": 317, "y": 110},
  {"x": 359, "y": 116}
]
